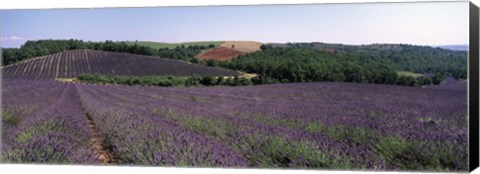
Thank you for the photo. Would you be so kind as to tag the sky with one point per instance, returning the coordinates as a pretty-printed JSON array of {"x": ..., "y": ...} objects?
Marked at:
[{"x": 426, "y": 23}]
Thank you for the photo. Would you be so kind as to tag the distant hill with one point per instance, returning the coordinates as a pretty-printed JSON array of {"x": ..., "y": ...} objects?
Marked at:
[
  {"x": 230, "y": 49},
  {"x": 220, "y": 53},
  {"x": 242, "y": 46},
  {"x": 364, "y": 47},
  {"x": 158, "y": 45},
  {"x": 343, "y": 47},
  {"x": 400, "y": 57},
  {"x": 403, "y": 57},
  {"x": 217, "y": 50},
  {"x": 69, "y": 64},
  {"x": 180, "y": 51},
  {"x": 455, "y": 47}
]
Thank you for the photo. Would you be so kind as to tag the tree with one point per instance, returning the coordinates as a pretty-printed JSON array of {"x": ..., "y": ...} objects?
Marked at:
[
  {"x": 244, "y": 81},
  {"x": 423, "y": 81},
  {"x": 406, "y": 80},
  {"x": 220, "y": 80},
  {"x": 192, "y": 81},
  {"x": 208, "y": 81},
  {"x": 437, "y": 78}
]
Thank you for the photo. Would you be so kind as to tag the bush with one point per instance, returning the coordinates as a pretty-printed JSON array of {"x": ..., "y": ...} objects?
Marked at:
[
  {"x": 406, "y": 80},
  {"x": 437, "y": 79},
  {"x": 193, "y": 81},
  {"x": 208, "y": 81},
  {"x": 166, "y": 81}
]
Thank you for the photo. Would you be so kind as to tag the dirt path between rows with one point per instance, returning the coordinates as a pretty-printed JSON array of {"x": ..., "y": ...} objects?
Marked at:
[
  {"x": 106, "y": 155},
  {"x": 97, "y": 143}
]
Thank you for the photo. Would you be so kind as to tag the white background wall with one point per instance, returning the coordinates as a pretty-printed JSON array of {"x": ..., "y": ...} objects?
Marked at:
[{"x": 50, "y": 169}]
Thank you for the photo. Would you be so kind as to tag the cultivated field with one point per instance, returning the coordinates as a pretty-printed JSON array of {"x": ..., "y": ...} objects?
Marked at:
[
  {"x": 298, "y": 125},
  {"x": 320, "y": 125},
  {"x": 220, "y": 53},
  {"x": 71, "y": 64},
  {"x": 242, "y": 46},
  {"x": 230, "y": 50}
]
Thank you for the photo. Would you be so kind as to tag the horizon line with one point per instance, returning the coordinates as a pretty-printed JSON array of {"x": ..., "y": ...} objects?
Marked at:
[{"x": 346, "y": 44}]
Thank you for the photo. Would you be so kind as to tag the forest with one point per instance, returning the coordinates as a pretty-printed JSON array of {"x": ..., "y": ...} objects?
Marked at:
[
  {"x": 276, "y": 64},
  {"x": 419, "y": 59}
]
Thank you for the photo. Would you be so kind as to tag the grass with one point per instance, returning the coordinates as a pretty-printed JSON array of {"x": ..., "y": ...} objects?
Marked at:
[
  {"x": 315, "y": 127},
  {"x": 213, "y": 127},
  {"x": 28, "y": 134},
  {"x": 410, "y": 155},
  {"x": 337, "y": 132},
  {"x": 261, "y": 149},
  {"x": 158, "y": 45},
  {"x": 34, "y": 154},
  {"x": 10, "y": 118},
  {"x": 355, "y": 135},
  {"x": 411, "y": 74},
  {"x": 272, "y": 150},
  {"x": 267, "y": 120},
  {"x": 278, "y": 151}
]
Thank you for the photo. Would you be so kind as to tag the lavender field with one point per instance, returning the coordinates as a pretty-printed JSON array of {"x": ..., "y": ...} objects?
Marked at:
[
  {"x": 72, "y": 63},
  {"x": 324, "y": 125}
]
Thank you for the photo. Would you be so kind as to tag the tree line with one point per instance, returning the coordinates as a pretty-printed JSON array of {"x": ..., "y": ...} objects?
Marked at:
[
  {"x": 418, "y": 59},
  {"x": 286, "y": 65},
  {"x": 165, "y": 81},
  {"x": 39, "y": 48}
]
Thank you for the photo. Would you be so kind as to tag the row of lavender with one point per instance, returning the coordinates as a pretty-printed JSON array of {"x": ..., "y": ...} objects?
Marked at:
[
  {"x": 312, "y": 125},
  {"x": 304, "y": 125},
  {"x": 71, "y": 64},
  {"x": 42, "y": 122}
]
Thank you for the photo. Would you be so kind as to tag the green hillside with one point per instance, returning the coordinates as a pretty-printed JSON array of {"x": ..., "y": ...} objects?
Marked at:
[{"x": 403, "y": 57}]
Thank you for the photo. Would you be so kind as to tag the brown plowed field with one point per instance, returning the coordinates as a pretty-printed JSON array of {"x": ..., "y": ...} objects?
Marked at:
[
  {"x": 230, "y": 49},
  {"x": 243, "y": 46},
  {"x": 220, "y": 53}
]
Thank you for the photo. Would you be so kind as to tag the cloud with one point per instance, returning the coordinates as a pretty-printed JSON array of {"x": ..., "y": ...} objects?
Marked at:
[{"x": 11, "y": 38}]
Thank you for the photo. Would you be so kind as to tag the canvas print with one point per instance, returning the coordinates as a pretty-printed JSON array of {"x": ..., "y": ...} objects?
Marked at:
[{"x": 365, "y": 86}]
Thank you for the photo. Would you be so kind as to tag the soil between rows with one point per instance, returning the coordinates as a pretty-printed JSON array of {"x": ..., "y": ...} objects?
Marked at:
[{"x": 106, "y": 155}]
